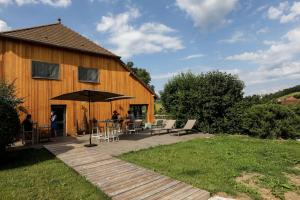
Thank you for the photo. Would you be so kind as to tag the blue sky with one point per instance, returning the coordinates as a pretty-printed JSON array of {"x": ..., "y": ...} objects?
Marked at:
[{"x": 257, "y": 40}]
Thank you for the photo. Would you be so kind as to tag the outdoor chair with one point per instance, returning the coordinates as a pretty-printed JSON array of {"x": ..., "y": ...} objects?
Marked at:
[
  {"x": 158, "y": 123},
  {"x": 187, "y": 128},
  {"x": 97, "y": 134},
  {"x": 169, "y": 126},
  {"x": 112, "y": 133},
  {"x": 26, "y": 135},
  {"x": 134, "y": 127}
]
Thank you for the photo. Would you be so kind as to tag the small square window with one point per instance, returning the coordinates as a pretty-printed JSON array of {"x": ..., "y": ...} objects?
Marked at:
[{"x": 88, "y": 75}]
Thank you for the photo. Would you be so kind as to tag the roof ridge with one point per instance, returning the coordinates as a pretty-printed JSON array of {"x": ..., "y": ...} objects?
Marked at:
[{"x": 33, "y": 27}]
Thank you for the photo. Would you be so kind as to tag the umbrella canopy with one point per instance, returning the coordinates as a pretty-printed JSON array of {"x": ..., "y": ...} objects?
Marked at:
[
  {"x": 88, "y": 96},
  {"x": 118, "y": 98}
]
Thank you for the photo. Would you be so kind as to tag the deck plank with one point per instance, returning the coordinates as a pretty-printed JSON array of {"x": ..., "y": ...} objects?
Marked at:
[{"x": 122, "y": 180}]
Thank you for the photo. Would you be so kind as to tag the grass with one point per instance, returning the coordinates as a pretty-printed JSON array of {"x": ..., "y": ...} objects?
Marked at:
[
  {"x": 213, "y": 164},
  {"x": 289, "y": 95},
  {"x": 37, "y": 174}
]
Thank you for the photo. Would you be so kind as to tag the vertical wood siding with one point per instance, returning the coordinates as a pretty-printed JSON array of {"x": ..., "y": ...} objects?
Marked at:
[{"x": 15, "y": 64}]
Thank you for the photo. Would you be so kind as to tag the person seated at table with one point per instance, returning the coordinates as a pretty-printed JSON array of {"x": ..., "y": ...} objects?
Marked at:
[
  {"x": 28, "y": 126},
  {"x": 115, "y": 116}
]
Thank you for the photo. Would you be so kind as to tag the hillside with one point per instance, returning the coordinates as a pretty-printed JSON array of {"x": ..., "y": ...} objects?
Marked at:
[{"x": 282, "y": 94}]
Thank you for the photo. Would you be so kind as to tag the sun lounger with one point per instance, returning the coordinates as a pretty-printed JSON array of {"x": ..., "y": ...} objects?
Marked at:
[
  {"x": 158, "y": 123},
  {"x": 169, "y": 126},
  {"x": 187, "y": 128}
]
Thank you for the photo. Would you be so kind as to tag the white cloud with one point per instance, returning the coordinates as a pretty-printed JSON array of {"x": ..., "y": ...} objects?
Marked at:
[
  {"x": 193, "y": 56},
  {"x": 278, "y": 62},
  {"x": 262, "y": 31},
  {"x": 164, "y": 76},
  {"x": 278, "y": 52},
  {"x": 237, "y": 36},
  {"x": 4, "y": 26},
  {"x": 129, "y": 40},
  {"x": 5, "y": 2},
  {"x": 207, "y": 13},
  {"x": 54, "y": 3},
  {"x": 284, "y": 12}
]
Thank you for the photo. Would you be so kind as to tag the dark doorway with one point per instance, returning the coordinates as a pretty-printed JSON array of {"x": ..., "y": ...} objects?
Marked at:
[
  {"x": 60, "y": 111},
  {"x": 139, "y": 111}
]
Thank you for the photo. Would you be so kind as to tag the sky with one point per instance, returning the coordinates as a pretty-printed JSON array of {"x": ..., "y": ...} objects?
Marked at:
[{"x": 257, "y": 40}]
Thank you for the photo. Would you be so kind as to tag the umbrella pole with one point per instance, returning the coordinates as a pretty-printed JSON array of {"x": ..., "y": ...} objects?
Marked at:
[
  {"x": 90, "y": 122},
  {"x": 110, "y": 108},
  {"x": 90, "y": 127}
]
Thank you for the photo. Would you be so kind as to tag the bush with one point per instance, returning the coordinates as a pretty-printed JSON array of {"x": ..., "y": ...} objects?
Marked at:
[
  {"x": 9, "y": 123},
  {"x": 234, "y": 116},
  {"x": 205, "y": 97},
  {"x": 271, "y": 121},
  {"x": 297, "y": 96}
]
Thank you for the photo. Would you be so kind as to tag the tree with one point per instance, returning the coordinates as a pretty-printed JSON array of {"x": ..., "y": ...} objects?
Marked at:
[
  {"x": 205, "y": 97},
  {"x": 141, "y": 73},
  {"x": 9, "y": 123}
]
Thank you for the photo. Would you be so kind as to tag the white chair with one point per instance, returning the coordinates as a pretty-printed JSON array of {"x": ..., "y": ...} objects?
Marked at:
[
  {"x": 97, "y": 134},
  {"x": 112, "y": 133}
]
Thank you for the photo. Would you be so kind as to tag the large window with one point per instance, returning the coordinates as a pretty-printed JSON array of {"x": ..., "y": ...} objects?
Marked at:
[
  {"x": 45, "y": 70},
  {"x": 88, "y": 75}
]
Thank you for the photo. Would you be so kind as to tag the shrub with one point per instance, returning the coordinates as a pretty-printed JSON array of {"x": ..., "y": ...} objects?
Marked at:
[
  {"x": 9, "y": 123},
  {"x": 271, "y": 121},
  {"x": 205, "y": 97},
  {"x": 234, "y": 116},
  {"x": 297, "y": 96}
]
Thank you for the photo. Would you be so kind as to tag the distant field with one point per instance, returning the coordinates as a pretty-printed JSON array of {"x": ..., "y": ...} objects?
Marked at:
[{"x": 289, "y": 95}]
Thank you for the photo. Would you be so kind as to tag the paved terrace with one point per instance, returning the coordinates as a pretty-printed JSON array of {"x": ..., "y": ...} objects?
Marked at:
[{"x": 119, "y": 179}]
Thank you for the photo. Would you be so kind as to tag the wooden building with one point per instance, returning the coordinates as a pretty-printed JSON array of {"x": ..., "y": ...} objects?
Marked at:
[{"x": 50, "y": 60}]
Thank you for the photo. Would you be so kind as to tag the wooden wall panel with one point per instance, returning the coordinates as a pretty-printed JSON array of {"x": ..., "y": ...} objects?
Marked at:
[{"x": 17, "y": 57}]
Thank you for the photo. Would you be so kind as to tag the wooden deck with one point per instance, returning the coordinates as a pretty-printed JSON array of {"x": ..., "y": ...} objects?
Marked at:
[{"x": 122, "y": 180}]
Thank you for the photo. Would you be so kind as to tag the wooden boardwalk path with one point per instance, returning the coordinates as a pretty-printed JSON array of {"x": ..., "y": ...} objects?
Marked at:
[{"x": 119, "y": 179}]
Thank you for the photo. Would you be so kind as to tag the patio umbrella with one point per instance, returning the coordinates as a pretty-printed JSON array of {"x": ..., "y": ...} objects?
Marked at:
[
  {"x": 110, "y": 100},
  {"x": 88, "y": 96}
]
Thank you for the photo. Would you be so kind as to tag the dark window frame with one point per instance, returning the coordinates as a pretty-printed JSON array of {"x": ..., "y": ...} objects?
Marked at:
[
  {"x": 88, "y": 81},
  {"x": 33, "y": 76}
]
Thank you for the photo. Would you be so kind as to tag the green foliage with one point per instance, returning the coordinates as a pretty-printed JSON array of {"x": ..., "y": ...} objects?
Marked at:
[
  {"x": 9, "y": 123},
  {"x": 297, "y": 96},
  {"x": 281, "y": 93},
  {"x": 271, "y": 121},
  {"x": 214, "y": 163},
  {"x": 234, "y": 116},
  {"x": 205, "y": 97},
  {"x": 141, "y": 73}
]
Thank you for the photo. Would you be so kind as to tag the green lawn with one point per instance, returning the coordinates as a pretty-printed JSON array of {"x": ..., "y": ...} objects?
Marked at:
[
  {"x": 36, "y": 174},
  {"x": 214, "y": 164}
]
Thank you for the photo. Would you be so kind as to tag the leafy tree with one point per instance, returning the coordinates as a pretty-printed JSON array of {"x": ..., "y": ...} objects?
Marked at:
[
  {"x": 205, "y": 97},
  {"x": 141, "y": 73},
  {"x": 9, "y": 123}
]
